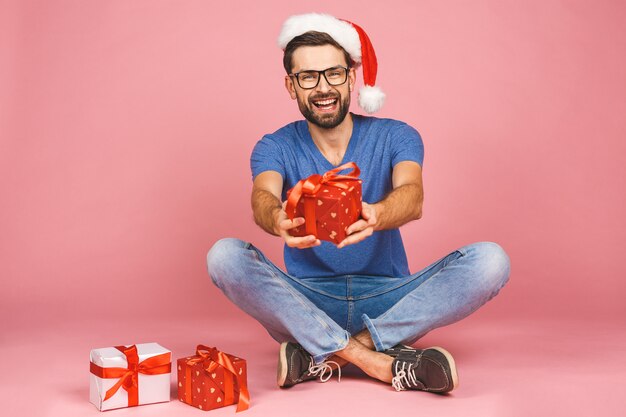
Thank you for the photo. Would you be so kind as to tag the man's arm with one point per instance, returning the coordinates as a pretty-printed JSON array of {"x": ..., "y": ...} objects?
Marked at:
[
  {"x": 266, "y": 191},
  {"x": 402, "y": 204},
  {"x": 270, "y": 214}
]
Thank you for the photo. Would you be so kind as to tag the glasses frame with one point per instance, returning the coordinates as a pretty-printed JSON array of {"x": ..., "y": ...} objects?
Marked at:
[{"x": 319, "y": 77}]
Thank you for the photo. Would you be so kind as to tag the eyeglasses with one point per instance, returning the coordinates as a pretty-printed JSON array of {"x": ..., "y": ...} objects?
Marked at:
[{"x": 310, "y": 79}]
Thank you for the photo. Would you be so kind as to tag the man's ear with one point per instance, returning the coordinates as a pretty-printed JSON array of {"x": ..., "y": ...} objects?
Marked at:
[
  {"x": 290, "y": 87},
  {"x": 351, "y": 78}
]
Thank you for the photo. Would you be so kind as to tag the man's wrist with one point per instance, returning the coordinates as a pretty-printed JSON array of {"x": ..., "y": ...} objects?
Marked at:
[
  {"x": 275, "y": 215},
  {"x": 378, "y": 208}
]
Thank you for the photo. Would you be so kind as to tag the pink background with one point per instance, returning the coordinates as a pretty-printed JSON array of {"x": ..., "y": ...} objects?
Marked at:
[{"x": 125, "y": 134}]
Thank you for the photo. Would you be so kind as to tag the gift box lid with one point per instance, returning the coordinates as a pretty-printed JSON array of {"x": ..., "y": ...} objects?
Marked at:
[{"x": 110, "y": 357}]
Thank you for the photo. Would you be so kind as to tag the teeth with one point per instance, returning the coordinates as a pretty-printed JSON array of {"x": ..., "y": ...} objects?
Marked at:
[{"x": 325, "y": 102}]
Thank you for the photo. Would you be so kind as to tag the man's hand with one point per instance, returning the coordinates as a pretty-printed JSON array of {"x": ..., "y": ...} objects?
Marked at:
[
  {"x": 362, "y": 228},
  {"x": 284, "y": 224}
]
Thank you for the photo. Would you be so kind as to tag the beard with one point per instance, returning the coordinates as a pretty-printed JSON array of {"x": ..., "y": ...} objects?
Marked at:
[{"x": 327, "y": 120}]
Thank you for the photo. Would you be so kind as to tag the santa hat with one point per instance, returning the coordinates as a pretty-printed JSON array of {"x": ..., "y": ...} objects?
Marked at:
[{"x": 351, "y": 38}]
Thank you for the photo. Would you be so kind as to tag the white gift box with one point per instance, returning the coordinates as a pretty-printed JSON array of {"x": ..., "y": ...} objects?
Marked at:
[{"x": 149, "y": 380}]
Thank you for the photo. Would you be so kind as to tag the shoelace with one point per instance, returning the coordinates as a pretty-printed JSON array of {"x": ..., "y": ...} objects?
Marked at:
[
  {"x": 322, "y": 368},
  {"x": 405, "y": 376}
]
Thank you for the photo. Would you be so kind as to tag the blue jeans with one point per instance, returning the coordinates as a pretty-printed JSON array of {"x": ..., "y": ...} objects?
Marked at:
[{"x": 322, "y": 313}]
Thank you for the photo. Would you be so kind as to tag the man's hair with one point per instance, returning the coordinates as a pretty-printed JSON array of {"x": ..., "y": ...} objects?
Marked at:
[{"x": 311, "y": 38}]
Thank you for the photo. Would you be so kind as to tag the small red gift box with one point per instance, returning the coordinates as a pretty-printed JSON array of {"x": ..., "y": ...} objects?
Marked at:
[
  {"x": 329, "y": 203},
  {"x": 211, "y": 379}
]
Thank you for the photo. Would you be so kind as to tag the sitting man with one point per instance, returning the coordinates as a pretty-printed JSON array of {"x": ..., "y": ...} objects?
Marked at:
[{"x": 354, "y": 302}]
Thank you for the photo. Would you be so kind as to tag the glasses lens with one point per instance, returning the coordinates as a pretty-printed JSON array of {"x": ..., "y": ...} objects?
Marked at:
[
  {"x": 336, "y": 76},
  {"x": 308, "y": 79}
]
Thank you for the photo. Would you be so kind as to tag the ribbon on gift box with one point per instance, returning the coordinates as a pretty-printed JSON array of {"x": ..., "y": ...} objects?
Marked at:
[
  {"x": 129, "y": 376},
  {"x": 211, "y": 359},
  {"x": 311, "y": 185}
]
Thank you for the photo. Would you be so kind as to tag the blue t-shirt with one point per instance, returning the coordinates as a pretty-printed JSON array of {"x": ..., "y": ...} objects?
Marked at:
[{"x": 376, "y": 146}]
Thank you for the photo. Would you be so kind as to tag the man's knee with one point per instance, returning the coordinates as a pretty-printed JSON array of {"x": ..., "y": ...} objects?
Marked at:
[
  {"x": 222, "y": 259},
  {"x": 493, "y": 262}
]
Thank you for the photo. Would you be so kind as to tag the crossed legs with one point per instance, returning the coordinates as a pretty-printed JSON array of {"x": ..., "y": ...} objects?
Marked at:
[
  {"x": 361, "y": 352},
  {"x": 445, "y": 292}
]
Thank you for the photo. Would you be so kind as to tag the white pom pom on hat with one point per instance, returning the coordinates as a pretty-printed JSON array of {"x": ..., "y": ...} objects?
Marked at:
[{"x": 352, "y": 38}]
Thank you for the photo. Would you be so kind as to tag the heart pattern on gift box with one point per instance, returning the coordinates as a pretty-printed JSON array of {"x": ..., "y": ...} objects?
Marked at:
[
  {"x": 208, "y": 387},
  {"x": 331, "y": 207}
]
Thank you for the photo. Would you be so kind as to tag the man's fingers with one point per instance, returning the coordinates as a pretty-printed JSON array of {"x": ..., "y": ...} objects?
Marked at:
[
  {"x": 357, "y": 226},
  {"x": 366, "y": 210},
  {"x": 356, "y": 237},
  {"x": 290, "y": 224},
  {"x": 302, "y": 242},
  {"x": 371, "y": 221},
  {"x": 316, "y": 242}
]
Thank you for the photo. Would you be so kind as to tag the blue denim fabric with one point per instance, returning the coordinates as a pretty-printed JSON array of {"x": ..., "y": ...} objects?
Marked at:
[{"x": 321, "y": 313}]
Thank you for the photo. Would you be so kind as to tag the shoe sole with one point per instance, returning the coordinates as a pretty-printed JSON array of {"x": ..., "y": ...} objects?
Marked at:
[
  {"x": 453, "y": 373},
  {"x": 281, "y": 375}
]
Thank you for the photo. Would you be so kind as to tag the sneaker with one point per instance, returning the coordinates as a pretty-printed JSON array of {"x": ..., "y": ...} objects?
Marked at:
[
  {"x": 400, "y": 348},
  {"x": 432, "y": 370},
  {"x": 296, "y": 365}
]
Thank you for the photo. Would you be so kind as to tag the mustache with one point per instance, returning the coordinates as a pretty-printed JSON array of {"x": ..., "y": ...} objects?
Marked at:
[{"x": 324, "y": 97}]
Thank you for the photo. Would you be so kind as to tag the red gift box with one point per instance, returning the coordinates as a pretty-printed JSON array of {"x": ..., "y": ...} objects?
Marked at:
[
  {"x": 211, "y": 379},
  {"x": 329, "y": 203}
]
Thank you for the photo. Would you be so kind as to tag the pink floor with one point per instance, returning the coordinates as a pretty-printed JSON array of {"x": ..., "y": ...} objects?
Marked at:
[{"x": 506, "y": 368}]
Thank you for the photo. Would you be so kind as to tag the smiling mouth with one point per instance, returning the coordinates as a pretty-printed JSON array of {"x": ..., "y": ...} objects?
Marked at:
[{"x": 325, "y": 104}]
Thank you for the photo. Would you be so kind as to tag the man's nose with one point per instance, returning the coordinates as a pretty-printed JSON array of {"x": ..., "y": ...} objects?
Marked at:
[{"x": 323, "y": 85}]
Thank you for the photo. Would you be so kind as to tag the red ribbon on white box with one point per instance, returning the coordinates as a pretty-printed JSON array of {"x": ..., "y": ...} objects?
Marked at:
[{"x": 129, "y": 376}]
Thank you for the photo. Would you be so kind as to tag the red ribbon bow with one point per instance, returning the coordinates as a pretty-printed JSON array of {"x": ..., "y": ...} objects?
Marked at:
[
  {"x": 129, "y": 377},
  {"x": 211, "y": 359},
  {"x": 311, "y": 185}
]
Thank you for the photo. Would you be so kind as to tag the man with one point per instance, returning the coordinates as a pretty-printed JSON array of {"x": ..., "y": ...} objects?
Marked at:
[{"x": 355, "y": 302}]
